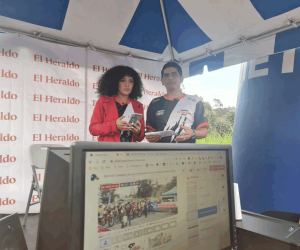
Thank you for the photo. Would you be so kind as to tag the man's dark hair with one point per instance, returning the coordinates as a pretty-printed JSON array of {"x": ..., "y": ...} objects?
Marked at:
[
  {"x": 171, "y": 65},
  {"x": 109, "y": 82}
]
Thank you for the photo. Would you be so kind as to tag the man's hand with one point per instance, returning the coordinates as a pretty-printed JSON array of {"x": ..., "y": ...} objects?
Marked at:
[
  {"x": 153, "y": 138},
  {"x": 122, "y": 125},
  {"x": 187, "y": 134}
]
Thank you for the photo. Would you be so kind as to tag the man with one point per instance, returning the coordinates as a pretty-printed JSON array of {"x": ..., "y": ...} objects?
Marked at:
[
  {"x": 134, "y": 210},
  {"x": 184, "y": 114},
  {"x": 142, "y": 206},
  {"x": 100, "y": 209},
  {"x": 128, "y": 212},
  {"x": 120, "y": 210},
  {"x": 145, "y": 207},
  {"x": 150, "y": 206},
  {"x": 100, "y": 213}
]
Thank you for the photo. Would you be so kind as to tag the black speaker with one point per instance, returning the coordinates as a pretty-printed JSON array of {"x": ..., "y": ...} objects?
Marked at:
[{"x": 11, "y": 233}]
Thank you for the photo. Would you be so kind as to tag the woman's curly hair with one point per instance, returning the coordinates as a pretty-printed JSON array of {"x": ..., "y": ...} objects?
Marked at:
[{"x": 109, "y": 82}]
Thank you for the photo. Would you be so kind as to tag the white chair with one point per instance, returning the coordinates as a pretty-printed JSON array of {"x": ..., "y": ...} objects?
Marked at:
[{"x": 37, "y": 157}]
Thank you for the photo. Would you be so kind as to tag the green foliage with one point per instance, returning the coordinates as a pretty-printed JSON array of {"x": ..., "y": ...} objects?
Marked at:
[
  {"x": 159, "y": 189},
  {"x": 217, "y": 103},
  {"x": 230, "y": 116},
  {"x": 105, "y": 195},
  {"x": 170, "y": 185},
  {"x": 221, "y": 122},
  {"x": 145, "y": 189},
  {"x": 216, "y": 139}
]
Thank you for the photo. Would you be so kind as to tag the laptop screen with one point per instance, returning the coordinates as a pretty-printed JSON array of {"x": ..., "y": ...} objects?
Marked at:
[{"x": 156, "y": 200}]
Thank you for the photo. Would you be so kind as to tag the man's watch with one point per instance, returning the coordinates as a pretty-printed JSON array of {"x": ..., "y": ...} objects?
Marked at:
[{"x": 194, "y": 134}]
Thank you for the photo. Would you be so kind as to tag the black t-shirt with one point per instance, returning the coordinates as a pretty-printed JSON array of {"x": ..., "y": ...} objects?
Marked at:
[
  {"x": 126, "y": 136},
  {"x": 119, "y": 209},
  {"x": 168, "y": 114},
  {"x": 128, "y": 208}
]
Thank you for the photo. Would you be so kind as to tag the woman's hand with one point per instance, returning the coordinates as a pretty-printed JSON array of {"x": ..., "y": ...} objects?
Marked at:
[
  {"x": 122, "y": 125},
  {"x": 136, "y": 128}
]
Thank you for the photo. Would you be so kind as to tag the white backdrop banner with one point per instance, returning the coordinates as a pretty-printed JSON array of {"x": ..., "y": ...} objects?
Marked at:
[
  {"x": 47, "y": 95},
  {"x": 98, "y": 63},
  {"x": 42, "y": 100}
]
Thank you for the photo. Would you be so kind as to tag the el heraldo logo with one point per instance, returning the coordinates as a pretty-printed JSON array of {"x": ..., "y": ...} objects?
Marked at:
[
  {"x": 6, "y": 201},
  {"x": 6, "y": 180}
]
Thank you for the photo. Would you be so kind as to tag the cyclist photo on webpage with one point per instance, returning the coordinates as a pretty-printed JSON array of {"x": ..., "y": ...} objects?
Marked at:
[{"x": 130, "y": 204}]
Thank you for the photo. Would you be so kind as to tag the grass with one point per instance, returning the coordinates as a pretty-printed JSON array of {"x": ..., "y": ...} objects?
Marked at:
[{"x": 216, "y": 139}]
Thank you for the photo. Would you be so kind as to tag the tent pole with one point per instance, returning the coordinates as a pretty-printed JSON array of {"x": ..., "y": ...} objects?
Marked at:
[
  {"x": 167, "y": 28},
  {"x": 86, "y": 92}
]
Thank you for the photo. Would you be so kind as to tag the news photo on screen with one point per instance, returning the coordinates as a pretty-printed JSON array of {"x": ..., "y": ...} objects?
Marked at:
[{"x": 156, "y": 200}]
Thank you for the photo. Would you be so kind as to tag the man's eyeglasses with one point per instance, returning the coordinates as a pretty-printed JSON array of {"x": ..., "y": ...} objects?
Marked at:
[{"x": 167, "y": 75}]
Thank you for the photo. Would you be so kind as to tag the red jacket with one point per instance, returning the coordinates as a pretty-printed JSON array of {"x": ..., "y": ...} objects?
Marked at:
[{"x": 103, "y": 121}]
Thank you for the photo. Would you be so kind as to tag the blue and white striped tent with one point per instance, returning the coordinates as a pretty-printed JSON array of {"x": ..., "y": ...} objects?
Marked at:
[{"x": 216, "y": 33}]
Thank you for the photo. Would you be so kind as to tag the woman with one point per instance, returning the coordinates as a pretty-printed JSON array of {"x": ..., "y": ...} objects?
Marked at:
[{"x": 119, "y": 88}]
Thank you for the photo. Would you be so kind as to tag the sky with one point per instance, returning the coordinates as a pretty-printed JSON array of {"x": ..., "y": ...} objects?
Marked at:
[{"x": 220, "y": 84}]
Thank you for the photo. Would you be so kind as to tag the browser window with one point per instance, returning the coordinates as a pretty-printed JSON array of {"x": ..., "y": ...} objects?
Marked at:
[{"x": 156, "y": 200}]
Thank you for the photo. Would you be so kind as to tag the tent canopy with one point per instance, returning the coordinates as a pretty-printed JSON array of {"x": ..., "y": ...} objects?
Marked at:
[
  {"x": 173, "y": 191},
  {"x": 215, "y": 33}
]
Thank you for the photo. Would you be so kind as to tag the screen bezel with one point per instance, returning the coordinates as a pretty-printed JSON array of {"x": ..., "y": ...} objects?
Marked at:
[
  {"x": 77, "y": 180},
  {"x": 53, "y": 153}
]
